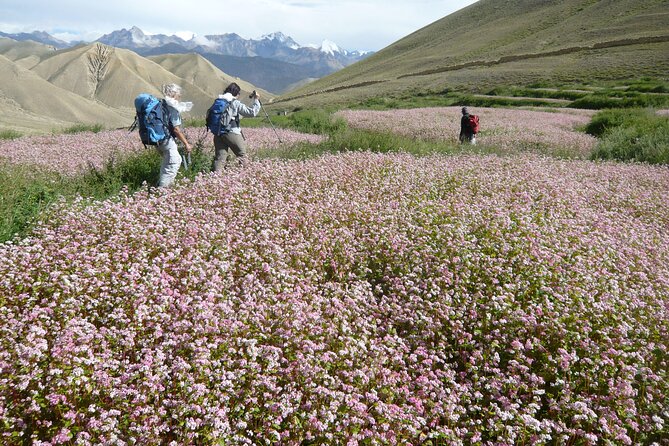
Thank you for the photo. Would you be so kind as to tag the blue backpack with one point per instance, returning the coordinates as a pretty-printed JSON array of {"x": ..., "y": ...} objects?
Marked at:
[
  {"x": 152, "y": 119},
  {"x": 219, "y": 118}
]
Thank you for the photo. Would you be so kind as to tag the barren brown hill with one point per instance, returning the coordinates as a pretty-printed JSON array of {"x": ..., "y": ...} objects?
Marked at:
[
  {"x": 29, "y": 103},
  {"x": 95, "y": 84},
  {"x": 199, "y": 71},
  {"x": 26, "y": 53},
  {"x": 114, "y": 76},
  {"x": 509, "y": 42}
]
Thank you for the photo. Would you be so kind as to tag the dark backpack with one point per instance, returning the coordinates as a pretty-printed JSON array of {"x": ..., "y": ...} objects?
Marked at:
[
  {"x": 474, "y": 123},
  {"x": 152, "y": 119},
  {"x": 219, "y": 117}
]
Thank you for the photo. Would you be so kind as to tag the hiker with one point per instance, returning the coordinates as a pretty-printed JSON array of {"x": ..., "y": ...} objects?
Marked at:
[
  {"x": 233, "y": 138},
  {"x": 168, "y": 148},
  {"x": 468, "y": 127}
]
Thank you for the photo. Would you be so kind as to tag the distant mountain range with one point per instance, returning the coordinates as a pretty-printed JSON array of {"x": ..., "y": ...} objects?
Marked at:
[
  {"x": 39, "y": 37},
  {"x": 274, "y": 62}
]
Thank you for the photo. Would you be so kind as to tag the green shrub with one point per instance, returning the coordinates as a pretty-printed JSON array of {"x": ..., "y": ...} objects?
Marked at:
[
  {"x": 649, "y": 86},
  {"x": 596, "y": 102},
  {"x": 633, "y": 144},
  {"x": 381, "y": 103},
  {"x": 619, "y": 99},
  {"x": 197, "y": 122},
  {"x": 80, "y": 128},
  {"x": 480, "y": 101},
  {"x": 631, "y": 135},
  {"x": 279, "y": 121},
  {"x": 613, "y": 118},
  {"x": 9, "y": 134},
  {"x": 541, "y": 84},
  {"x": 318, "y": 121},
  {"x": 355, "y": 140},
  {"x": 27, "y": 191},
  {"x": 118, "y": 173},
  {"x": 552, "y": 93}
]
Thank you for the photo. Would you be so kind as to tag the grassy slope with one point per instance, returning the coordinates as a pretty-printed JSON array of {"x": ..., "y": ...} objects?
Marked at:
[{"x": 556, "y": 41}]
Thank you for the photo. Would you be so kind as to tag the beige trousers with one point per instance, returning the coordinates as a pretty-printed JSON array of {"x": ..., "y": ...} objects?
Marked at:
[{"x": 232, "y": 141}]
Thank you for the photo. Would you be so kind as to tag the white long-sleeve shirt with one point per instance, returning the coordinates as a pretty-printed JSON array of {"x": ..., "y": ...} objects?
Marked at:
[{"x": 239, "y": 109}]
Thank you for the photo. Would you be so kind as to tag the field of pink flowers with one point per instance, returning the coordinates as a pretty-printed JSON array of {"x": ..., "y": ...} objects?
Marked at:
[
  {"x": 508, "y": 130},
  {"x": 74, "y": 153},
  {"x": 350, "y": 299}
]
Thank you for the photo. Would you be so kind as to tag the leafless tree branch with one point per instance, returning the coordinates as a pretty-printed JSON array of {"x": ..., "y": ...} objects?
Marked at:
[{"x": 98, "y": 63}]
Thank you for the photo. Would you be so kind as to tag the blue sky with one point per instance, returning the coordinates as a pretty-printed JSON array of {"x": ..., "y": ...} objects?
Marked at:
[{"x": 351, "y": 24}]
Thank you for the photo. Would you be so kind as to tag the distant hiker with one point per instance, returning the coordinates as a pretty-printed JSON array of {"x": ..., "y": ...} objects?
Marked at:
[
  {"x": 223, "y": 121},
  {"x": 469, "y": 127},
  {"x": 168, "y": 148}
]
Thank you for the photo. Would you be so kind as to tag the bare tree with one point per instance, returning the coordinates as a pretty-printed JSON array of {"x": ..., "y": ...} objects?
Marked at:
[{"x": 98, "y": 62}]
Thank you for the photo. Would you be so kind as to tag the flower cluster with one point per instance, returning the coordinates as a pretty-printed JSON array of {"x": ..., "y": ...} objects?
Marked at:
[
  {"x": 509, "y": 130},
  {"x": 351, "y": 299},
  {"x": 74, "y": 153}
]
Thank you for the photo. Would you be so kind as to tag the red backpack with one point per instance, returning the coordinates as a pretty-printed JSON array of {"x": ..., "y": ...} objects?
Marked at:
[{"x": 474, "y": 123}]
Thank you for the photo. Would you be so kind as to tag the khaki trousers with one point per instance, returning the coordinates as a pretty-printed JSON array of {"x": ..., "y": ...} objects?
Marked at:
[{"x": 232, "y": 141}]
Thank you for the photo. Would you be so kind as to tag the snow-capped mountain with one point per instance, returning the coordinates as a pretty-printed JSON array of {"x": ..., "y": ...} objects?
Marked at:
[
  {"x": 276, "y": 46},
  {"x": 281, "y": 38},
  {"x": 39, "y": 37},
  {"x": 262, "y": 57},
  {"x": 329, "y": 47},
  {"x": 315, "y": 61},
  {"x": 134, "y": 38}
]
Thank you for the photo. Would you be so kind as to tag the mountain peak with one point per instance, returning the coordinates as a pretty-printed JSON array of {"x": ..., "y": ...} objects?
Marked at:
[
  {"x": 329, "y": 47},
  {"x": 138, "y": 35},
  {"x": 277, "y": 35},
  {"x": 281, "y": 38},
  {"x": 37, "y": 36},
  {"x": 136, "y": 38}
]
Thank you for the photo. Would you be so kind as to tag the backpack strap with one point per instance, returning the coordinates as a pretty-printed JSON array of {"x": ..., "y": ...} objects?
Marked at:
[
  {"x": 134, "y": 124},
  {"x": 235, "y": 118},
  {"x": 166, "y": 118}
]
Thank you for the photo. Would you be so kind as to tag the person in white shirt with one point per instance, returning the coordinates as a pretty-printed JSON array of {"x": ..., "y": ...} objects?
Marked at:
[{"x": 171, "y": 160}]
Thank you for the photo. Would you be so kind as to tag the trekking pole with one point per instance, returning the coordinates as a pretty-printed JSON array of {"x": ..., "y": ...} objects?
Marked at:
[
  {"x": 270, "y": 121},
  {"x": 185, "y": 157}
]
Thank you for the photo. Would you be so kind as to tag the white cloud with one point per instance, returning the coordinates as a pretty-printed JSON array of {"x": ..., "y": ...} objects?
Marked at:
[
  {"x": 352, "y": 25},
  {"x": 201, "y": 40},
  {"x": 66, "y": 36},
  {"x": 186, "y": 35}
]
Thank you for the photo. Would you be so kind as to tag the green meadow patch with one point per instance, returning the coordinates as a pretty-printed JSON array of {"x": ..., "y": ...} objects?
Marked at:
[
  {"x": 631, "y": 135},
  {"x": 10, "y": 134},
  {"x": 81, "y": 128},
  {"x": 29, "y": 191},
  {"x": 610, "y": 95}
]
